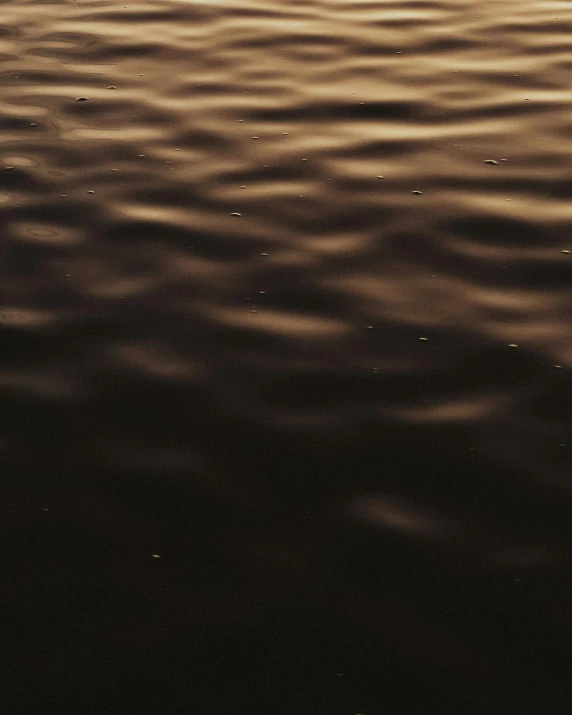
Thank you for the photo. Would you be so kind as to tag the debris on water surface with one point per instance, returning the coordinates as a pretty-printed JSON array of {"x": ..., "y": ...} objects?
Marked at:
[
  {"x": 417, "y": 192},
  {"x": 491, "y": 161},
  {"x": 513, "y": 345},
  {"x": 235, "y": 213},
  {"x": 82, "y": 99},
  {"x": 425, "y": 340}
]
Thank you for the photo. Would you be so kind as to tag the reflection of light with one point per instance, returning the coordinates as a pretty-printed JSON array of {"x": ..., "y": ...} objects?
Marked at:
[
  {"x": 522, "y": 556},
  {"x": 400, "y": 516}
]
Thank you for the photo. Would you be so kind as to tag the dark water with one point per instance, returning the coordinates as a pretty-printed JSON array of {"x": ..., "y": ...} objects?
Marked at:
[{"x": 313, "y": 458}]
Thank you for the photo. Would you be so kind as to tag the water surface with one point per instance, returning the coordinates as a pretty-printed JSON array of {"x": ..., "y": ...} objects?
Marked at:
[{"x": 286, "y": 351}]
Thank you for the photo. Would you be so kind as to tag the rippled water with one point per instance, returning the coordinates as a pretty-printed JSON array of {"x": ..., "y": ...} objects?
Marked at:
[{"x": 286, "y": 351}]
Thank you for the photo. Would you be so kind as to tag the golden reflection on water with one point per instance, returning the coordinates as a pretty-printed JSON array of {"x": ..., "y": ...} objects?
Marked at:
[{"x": 286, "y": 302}]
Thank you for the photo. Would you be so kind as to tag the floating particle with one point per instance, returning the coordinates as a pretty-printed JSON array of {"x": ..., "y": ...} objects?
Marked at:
[
  {"x": 417, "y": 192},
  {"x": 491, "y": 161},
  {"x": 565, "y": 251},
  {"x": 243, "y": 187},
  {"x": 235, "y": 213},
  {"x": 112, "y": 86},
  {"x": 82, "y": 99},
  {"x": 155, "y": 556},
  {"x": 380, "y": 177},
  {"x": 370, "y": 327},
  {"x": 91, "y": 192},
  {"x": 559, "y": 367},
  {"x": 256, "y": 137},
  {"x": 513, "y": 345},
  {"x": 263, "y": 254},
  {"x": 425, "y": 340}
]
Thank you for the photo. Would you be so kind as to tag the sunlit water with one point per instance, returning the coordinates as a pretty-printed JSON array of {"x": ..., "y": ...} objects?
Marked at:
[{"x": 285, "y": 356}]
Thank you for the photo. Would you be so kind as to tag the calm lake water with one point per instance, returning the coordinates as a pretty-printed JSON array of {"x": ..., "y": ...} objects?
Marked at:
[{"x": 286, "y": 357}]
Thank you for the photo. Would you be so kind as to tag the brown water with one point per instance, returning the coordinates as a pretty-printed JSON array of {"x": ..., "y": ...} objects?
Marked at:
[{"x": 285, "y": 365}]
